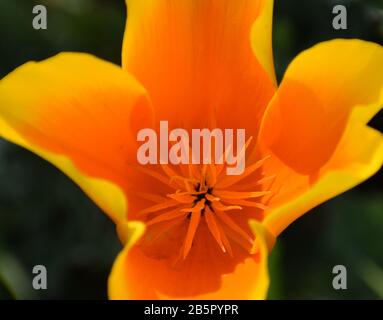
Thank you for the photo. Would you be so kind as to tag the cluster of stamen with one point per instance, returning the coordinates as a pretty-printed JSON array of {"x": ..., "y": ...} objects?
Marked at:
[{"x": 205, "y": 192}]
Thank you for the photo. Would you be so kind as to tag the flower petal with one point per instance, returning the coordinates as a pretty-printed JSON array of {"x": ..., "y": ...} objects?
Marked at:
[
  {"x": 137, "y": 276},
  {"x": 81, "y": 114},
  {"x": 129, "y": 233},
  {"x": 321, "y": 90},
  {"x": 358, "y": 157},
  {"x": 315, "y": 127},
  {"x": 196, "y": 59},
  {"x": 261, "y": 35}
]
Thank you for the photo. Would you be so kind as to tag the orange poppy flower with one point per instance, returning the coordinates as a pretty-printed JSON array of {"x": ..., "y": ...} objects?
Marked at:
[{"x": 192, "y": 231}]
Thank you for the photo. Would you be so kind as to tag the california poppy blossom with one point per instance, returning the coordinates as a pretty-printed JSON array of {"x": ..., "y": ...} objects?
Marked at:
[{"x": 193, "y": 231}]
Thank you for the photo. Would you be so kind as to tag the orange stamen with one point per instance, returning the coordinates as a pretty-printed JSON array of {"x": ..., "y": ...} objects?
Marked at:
[
  {"x": 158, "y": 207},
  {"x": 165, "y": 180},
  {"x": 219, "y": 206},
  {"x": 240, "y": 195},
  {"x": 230, "y": 223},
  {"x": 182, "y": 197},
  {"x": 166, "y": 217},
  {"x": 202, "y": 190},
  {"x": 192, "y": 229},
  {"x": 228, "y": 181},
  {"x": 225, "y": 240},
  {"x": 198, "y": 207},
  {"x": 246, "y": 203},
  {"x": 212, "y": 225}
]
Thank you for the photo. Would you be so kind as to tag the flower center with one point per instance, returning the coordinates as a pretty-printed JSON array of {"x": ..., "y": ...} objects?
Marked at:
[{"x": 205, "y": 194}]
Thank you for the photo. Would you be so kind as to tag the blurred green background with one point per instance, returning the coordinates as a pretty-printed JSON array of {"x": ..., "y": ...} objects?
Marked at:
[{"x": 45, "y": 219}]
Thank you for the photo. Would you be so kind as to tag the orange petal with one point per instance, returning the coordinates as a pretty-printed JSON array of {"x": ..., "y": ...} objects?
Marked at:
[
  {"x": 81, "y": 114},
  {"x": 315, "y": 127},
  {"x": 207, "y": 273},
  {"x": 261, "y": 36},
  {"x": 130, "y": 232},
  {"x": 320, "y": 92},
  {"x": 358, "y": 157},
  {"x": 196, "y": 57}
]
